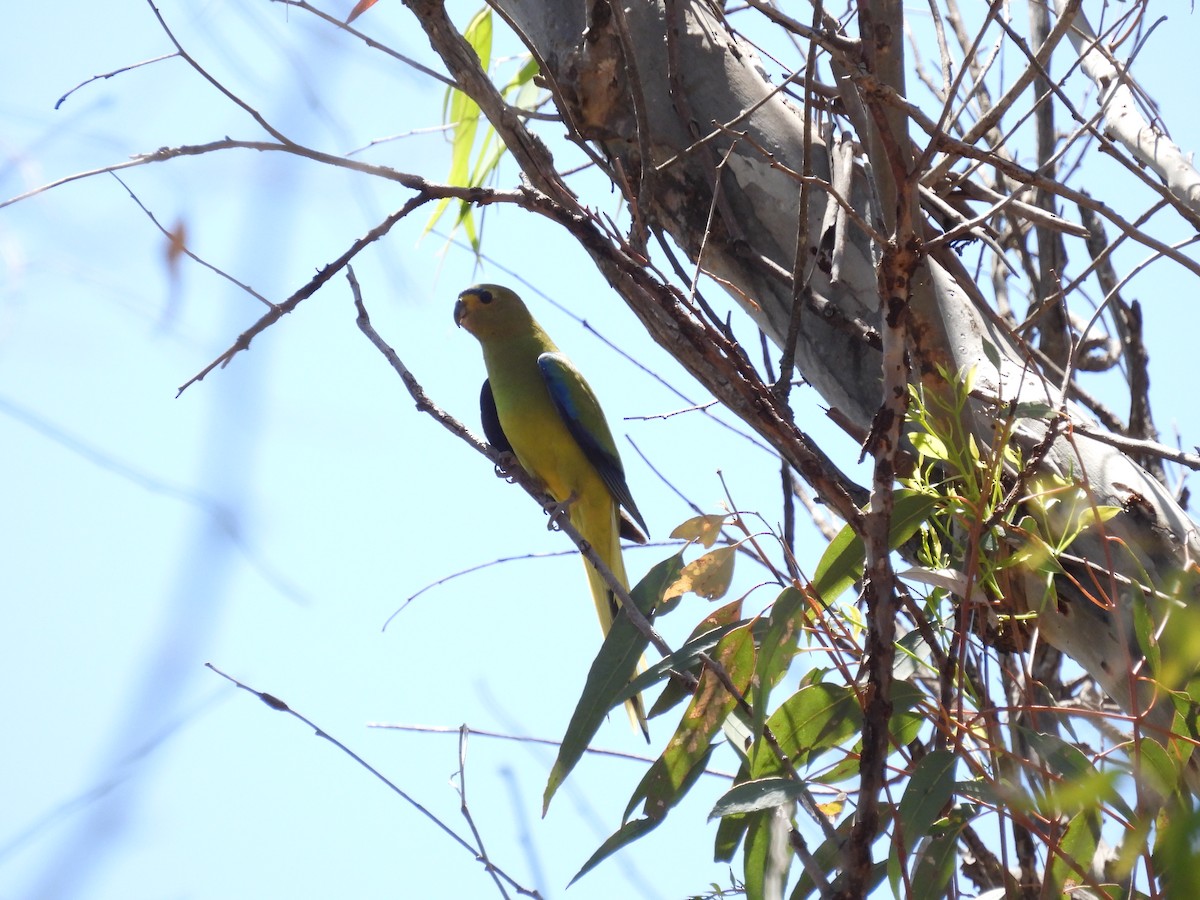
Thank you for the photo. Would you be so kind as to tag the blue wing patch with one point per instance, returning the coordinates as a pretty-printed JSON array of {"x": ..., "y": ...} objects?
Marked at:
[{"x": 576, "y": 403}]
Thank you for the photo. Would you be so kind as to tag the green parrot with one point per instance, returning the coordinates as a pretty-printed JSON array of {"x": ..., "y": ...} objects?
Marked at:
[{"x": 537, "y": 405}]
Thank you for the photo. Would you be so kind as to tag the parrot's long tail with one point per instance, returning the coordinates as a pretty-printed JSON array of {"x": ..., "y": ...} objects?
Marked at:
[{"x": 606, "y": 541}]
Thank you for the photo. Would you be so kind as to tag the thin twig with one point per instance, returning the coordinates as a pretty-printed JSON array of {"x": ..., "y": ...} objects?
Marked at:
[
  {"x": 463, "y": 733},
  {"x": 128, "y": 68},
  {"x": 277, "y": 312},
  {"x": 280, "y": 706},
  {"x": 187, "y": 252},
  {"x": 369, "y": 41},
  {"x": 229, "y": 95}
]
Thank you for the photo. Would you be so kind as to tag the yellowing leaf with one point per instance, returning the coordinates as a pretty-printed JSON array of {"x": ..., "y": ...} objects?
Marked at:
[
  {"x": 463, "y": 113},
  {"x": 700, "y": 530},
  {"x": 833, "y": 808},
  {"x": 708, "y": 576}
]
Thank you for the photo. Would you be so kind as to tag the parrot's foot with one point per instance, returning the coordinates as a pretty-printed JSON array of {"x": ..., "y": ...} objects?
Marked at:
[
  {"x": 507, "y": 465},
  {"x": 559, "y": 511}
]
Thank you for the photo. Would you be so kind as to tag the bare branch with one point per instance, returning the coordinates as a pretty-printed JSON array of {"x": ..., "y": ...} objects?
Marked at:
[
  {"x": 114, "y": 72},
  {"x": 279, "y": 311},
  {"x": 477, "y": 852}
]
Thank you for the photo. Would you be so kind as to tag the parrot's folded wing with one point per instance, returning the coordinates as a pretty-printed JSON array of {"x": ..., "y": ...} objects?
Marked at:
[
  {"x": 581, "y": 412},
  {"x": 491, "y": 419}
]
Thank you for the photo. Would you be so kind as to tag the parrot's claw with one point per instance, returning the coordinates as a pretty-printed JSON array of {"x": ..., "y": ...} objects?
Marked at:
[
  {"x": 507, "y": 464},
  {"x": 557, "y": 511}
]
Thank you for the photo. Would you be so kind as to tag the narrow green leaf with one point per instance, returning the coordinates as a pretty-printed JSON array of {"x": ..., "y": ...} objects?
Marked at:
[
  {"x": 478, "y": 34},
  {"x": 929, "y": 445},
  {"x": 815, "y": 718},
  {"x": 731, "y": 828},
  {"x": 461, "y": 112},
  {"x": 668, "y": 780},
  {"x": 937, "y": 857},
  {"x": 842, "y": 562},
  {"x": 765, "y": 867},
  {"x": 669, "y": 777},
  {"x": 913, "y": 657},
  {"x": 1158, "y": 770},
  {"x": 762, "y": 793},
  {"x": 687, "y": 658},
  {"x": 626, "y": 834},
  {"x": 776, "y": 649},
  {"x": 610, "y": 672},
  {"x": 1082, "y": 786},
  {"x": 992, "y": 352},
  {"x": 524, "y": 78},
  {"x": 1175, "y": 851},
  {"x": 1060, "y": 757},
  {"x": 839, "y": 566},
  {"x": 1077, "y": 847},
  {"x": 929, "y": 790},
  {"x": 609, "y": 675},
  {"x": 1143, "y": 629},
  {"x": 1036, "y": 409},
  {"x": 906, "y": 723}
]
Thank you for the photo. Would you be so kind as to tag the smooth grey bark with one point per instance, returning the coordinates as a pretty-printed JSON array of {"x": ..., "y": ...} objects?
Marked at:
[{"x": 686, "y": 84}]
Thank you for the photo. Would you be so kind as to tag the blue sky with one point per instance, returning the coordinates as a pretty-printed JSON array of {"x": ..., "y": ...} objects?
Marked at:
[{"x": 273, "y": 517}]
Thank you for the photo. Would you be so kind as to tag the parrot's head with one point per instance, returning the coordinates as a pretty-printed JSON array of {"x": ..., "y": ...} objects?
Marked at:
[{"x": 491, "y": 312}]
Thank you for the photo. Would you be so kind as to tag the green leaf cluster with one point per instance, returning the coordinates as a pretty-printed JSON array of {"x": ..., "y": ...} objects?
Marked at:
[{"x": 474, "y": 161}]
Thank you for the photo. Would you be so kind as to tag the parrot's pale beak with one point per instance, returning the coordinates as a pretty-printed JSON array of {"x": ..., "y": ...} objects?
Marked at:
[{"x": 460, "y": 311}]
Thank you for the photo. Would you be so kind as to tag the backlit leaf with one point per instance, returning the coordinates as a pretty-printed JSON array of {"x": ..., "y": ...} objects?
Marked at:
[
  {"x": 707, "y": 576},
  {"x": 700, "y": 529}
]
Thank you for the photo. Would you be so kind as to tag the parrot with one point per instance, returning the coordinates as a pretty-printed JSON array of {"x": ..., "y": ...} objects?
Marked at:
[{"x": 535, "y": 404}]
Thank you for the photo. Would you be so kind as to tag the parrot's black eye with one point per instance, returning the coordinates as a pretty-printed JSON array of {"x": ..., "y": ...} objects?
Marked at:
[{"x": 484, "y": 296}]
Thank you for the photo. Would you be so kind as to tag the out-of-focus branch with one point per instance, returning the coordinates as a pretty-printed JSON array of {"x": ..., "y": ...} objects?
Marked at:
[
  {"x": 477, "y": 851},
  {"x": 1123, "y": 117},
  {"x": 279, "y": 311}
]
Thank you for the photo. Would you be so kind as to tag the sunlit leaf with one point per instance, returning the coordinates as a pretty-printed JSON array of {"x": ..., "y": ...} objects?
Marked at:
[
  {"x": 816, "y": 717},
  {"x": 668, "y": 777},
  {"x": 842, "y": 562},
  {"x": 777, "y": 648},
  {"x": 702, "y": 530},
  {"x": 833, "y": 808},
  {"x": 687, "y": 658},
  {"x": 929, "y": 445},
  {"x": 609, "y": 676},
  {"x": 762, "y": 793},
  {"x": 461, "y": 112},
  {"x": 707, "y": 576}
]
